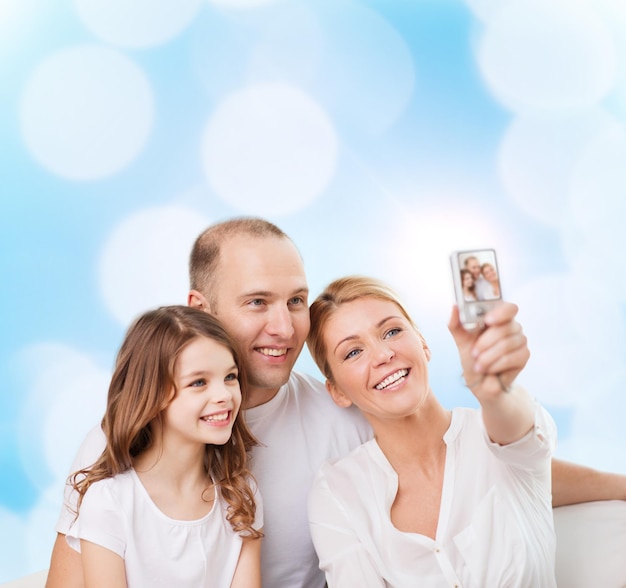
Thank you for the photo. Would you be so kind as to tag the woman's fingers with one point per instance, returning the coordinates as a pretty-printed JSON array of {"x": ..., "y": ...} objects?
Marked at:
[{"x": 501, "y": 349}]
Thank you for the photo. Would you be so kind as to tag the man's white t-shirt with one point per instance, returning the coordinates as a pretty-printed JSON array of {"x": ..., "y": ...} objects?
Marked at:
[
  {"x": 158, "y": 551},
  {"x": 495, "y": 525},
  {"x": 299, "y": 429},
  {"x": 483, "y": 289}
]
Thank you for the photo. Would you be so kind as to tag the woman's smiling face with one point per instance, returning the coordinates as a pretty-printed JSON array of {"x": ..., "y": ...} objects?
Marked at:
[
  {"x": 489, "y": 272},
  {"x": 377, "y": 359}
]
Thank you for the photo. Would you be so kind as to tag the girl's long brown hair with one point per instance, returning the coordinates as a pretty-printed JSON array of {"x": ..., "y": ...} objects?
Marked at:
[{"x": 142, "y": 386}]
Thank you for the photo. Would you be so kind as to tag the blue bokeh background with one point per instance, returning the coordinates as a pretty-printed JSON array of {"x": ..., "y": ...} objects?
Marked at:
[{"x": 380, "y": 134}]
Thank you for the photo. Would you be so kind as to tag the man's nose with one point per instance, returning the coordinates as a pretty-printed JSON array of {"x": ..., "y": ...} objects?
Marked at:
[{"x": 280, "y": 322}]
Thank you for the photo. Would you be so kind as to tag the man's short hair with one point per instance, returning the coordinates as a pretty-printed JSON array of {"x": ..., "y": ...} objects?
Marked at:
[
  {"x": 205, "y": 254},
  {"x": 468, "y": 259}
]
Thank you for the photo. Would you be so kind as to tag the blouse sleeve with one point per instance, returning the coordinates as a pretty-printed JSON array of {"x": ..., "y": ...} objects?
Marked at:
[
  {"x": 100, "y": 520},
  {"x": 533, "y": 451},
  {"x": 343, "y": 558}
]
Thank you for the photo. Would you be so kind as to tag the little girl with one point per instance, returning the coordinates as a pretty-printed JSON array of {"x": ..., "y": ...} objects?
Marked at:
[
  {"x": 469, "y": 287},
  {"x": 169, "y": 502}
]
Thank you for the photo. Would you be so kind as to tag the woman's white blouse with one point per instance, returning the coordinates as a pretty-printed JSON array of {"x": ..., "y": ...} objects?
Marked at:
[{"x": 495, "y": 526}]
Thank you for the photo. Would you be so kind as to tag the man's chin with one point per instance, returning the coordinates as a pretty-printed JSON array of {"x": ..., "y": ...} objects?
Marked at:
[{"x": 273, "y": 382}]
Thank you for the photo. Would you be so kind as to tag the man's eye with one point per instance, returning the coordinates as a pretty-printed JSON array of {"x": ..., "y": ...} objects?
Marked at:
[
  {"x": 297, "y": 301},
  {"x": 257, "y": 302}
]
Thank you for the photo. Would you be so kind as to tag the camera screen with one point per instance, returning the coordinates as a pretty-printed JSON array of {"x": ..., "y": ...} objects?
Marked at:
[{"x": 479, "y": 275}]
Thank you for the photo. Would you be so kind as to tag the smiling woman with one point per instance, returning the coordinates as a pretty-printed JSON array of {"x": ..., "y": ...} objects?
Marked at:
[{"x": 362, "y": 510}]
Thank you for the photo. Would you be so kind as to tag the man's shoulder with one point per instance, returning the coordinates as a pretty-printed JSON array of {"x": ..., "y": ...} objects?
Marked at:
[
  {"x": 306, "y": 383},
  {"x": 308, "y": 389},
  {"x": 304, "y": 389},
  {"x": 90, "y": 449},
  {"x": 311, "y": 397}
]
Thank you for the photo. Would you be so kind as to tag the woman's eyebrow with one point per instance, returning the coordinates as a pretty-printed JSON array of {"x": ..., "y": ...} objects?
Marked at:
[{"x": 378, "y": 325}]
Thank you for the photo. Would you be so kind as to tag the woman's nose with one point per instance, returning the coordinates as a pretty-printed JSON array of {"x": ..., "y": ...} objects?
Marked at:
[{"x": 384, "y": 353}]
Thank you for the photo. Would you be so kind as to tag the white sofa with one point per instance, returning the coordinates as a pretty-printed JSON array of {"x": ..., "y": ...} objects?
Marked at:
[
  {"x": 591, "y": 548},
  {"x": 591, "y": 545},
  {"x": 37, "y": 580}
]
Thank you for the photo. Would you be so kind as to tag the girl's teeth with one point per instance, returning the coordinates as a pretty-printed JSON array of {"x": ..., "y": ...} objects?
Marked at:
[{"x": 216, "y": 417}]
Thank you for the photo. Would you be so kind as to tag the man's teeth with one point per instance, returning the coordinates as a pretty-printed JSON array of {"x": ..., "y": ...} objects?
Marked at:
[
  {"x": 216, "y": 418},
  {"x": 272, "y": 352},
  {"x": 392, "y": 379}
]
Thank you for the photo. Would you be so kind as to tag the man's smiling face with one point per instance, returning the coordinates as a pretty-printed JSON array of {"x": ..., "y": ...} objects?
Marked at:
[{"x": 262, "y": 300}]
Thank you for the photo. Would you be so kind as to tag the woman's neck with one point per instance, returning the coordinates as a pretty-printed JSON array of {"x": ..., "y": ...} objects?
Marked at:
[{"x": 417, "y": 438}]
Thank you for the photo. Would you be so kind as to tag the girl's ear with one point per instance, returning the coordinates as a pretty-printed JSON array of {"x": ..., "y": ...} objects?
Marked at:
[{"x": 339, "y": 398}]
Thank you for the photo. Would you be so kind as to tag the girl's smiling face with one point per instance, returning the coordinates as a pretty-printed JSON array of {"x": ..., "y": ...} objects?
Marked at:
[
  {"x": 377, "y": 359},
  {"x": 207, "y": 397}
]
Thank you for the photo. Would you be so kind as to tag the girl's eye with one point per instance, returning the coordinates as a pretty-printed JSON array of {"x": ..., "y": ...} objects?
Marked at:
[
  {"x": 231, "y": 377},
  {"x": 197, "y": 383}
]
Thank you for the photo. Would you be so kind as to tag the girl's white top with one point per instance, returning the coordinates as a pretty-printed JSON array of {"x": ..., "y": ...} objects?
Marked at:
[{"x": 118, "y": 513}]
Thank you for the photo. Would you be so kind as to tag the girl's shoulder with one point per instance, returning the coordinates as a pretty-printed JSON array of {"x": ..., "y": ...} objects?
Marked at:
[{"x": 112, "y": 489}]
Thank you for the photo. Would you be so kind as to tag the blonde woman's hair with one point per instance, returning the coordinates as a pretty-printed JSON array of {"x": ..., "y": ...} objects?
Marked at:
[{"x": 334, "y": 295}]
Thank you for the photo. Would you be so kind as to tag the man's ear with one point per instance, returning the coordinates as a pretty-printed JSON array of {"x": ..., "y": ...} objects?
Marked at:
[
  {"x": 197, "y": 300},
  {"x": 339, "y": 398}
]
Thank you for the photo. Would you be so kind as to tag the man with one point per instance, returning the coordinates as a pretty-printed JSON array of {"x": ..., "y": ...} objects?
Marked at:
[{"x": 250, "y": 275}]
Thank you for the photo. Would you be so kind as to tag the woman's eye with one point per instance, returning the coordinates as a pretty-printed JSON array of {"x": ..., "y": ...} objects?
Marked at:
[
  {"x": 392, "y": 332},
  {"x": 352, "y": 353}
]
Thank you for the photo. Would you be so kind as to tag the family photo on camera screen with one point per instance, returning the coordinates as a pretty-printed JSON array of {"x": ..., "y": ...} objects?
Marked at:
[{"x": 479, "y": 275}]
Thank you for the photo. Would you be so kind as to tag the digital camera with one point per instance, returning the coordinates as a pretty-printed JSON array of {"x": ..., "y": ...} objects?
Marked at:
[{"x": 476, "y": 285}]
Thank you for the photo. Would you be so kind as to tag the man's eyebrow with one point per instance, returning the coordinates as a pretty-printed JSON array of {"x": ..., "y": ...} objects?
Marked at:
[
  {"x": 378, "y": 325},
  {"x": 269, "y": 293},
  {"x": 256, "y": 294}
]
